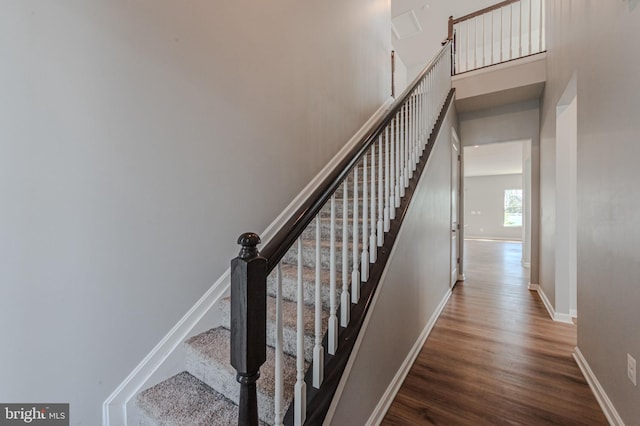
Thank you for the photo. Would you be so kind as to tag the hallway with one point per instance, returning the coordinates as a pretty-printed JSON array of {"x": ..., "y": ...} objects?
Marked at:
[{"x": 495, "y": 356}]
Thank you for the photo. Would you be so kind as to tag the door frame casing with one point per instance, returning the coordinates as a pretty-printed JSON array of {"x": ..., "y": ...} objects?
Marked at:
[{"x": 455, "y": 142}]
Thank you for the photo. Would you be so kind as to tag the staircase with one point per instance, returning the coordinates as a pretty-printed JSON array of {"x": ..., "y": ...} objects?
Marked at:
[
  {"x": 322, "y": 270},
  {"x": 210, "y": 380},
  {"x": 208, "y": 387}
]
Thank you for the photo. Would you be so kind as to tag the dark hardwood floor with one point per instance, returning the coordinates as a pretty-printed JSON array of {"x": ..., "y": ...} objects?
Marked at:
[{"x": 494, "y": 356}]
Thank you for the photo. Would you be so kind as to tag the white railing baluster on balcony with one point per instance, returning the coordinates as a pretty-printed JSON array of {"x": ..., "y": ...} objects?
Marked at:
[
  {"x": 300, "y": 390},
  {"x": 518, "y": 32}
]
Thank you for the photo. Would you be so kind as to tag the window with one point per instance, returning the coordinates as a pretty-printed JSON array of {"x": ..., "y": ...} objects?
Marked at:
[{"x": 513, "y": 207}]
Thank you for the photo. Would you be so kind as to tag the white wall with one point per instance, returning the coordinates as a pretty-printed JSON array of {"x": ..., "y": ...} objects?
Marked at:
[
  {"x": 138, "y": 140},
  {"x": 598, "y": 41},
  {"x": 417, "y": 278},
  {"x": 484, "y": 207},
  {"x": 400, "y": 76}
]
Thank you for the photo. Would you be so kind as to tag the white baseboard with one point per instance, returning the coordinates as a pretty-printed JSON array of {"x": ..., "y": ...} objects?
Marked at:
[
  {"x": 533, "y": 287},
  {"x": 461, "y": 277},
  {"x": 566, "y": 318},
  {"x": 605, "y": 403},
  {"x": 573, "y": 313},
  {"x": 114, "y": 408},
  {"x": 393, "y": 388}
]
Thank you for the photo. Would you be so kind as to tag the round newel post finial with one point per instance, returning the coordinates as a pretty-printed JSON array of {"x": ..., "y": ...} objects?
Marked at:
[{"x": 249, "y": 242}]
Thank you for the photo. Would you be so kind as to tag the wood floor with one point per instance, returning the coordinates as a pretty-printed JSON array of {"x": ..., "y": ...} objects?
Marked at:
[{"x": 494, "y": 356}]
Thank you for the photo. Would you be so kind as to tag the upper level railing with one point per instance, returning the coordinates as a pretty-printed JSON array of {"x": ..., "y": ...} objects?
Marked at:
[
  {"x": 323, "y": 258},
  {"x": 505, "y": 31}
]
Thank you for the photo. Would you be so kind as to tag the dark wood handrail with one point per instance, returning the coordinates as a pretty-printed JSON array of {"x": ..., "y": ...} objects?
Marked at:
[
  {"x": 496, "y": 6},
  {"x": 278, "y": 246}
]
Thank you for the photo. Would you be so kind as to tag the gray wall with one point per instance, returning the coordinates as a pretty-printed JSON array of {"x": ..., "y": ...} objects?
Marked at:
[
  {"x": 484, "y": 196},
  {"x": 599, "y": 42},
  {"x": 138, "y": 140},
  {"x": 417, "y": 278},
  {"x": 509, "y": 123}
]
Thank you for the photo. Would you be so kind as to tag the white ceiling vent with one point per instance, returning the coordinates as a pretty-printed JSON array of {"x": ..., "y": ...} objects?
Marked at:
[{"x": 405, "y": 25}]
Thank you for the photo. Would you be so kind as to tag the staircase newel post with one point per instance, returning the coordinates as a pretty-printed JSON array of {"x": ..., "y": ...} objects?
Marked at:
[{"x": 248, "y": 323}]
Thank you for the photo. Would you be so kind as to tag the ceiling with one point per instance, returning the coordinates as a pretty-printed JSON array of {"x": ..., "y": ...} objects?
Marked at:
[
  {"x": 432, "y": 15},
  {"x": 503, "y": 158}
]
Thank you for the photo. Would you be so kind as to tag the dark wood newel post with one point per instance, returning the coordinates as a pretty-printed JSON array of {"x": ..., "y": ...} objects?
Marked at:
[{"x": 248, "y": 323}]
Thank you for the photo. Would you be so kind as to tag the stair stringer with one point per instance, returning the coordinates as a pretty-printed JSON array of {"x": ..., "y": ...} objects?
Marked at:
[{"x": 166, "y": 359}]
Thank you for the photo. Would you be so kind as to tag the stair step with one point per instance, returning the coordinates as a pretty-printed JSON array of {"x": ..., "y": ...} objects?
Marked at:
[
  {"x": 207, "y": 358},
  {"x": 183, "y": 400},
  {"x": 289, "y": 319},
  {"x": 290, "y": 284},
  {"x": 309, "y": 253}
]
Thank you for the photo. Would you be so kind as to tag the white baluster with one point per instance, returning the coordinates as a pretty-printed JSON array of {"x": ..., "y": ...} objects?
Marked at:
[
  {"x": 364, "y": 264},
  {"x": 475, "y": 43},
  {"x": 397, "y": 161},
  {"x": 543, "y": 21},
  {"x": 318, "y": 350},
  {"x": 468, "y": 23},
  {"x": 540, "y": 27},
  {"x": 355, "y": 274},
  {"x": 511, "y": 31},
  {"x": 278, "y": 397},
  {"x": 402, "y": 166},
  {"x": 333, "y": 310},
  {"x": 300, "y": 390},
  {"x": 421, "y": 126},
  {"x": 492, "y": 37},
  {"x": 405, "y": 159},
  {"x": 387, "y": 219},
  {"x": 373, "y": 240},
  {"x": 380, "y": 224},
  {"x": 484, "y": 42},
  {"x": 501, "y": 32},
  {"x": 530, "y": 32},
  {"x": 414, "y": 130},
  {"x": 412, "y": 134},
  {"x": 392, "y": 195},
  {"x": 345, "y": 300},
  {"x": 520, "y": 29}
]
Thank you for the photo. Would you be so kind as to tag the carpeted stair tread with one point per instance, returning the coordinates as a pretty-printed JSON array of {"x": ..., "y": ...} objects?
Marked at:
[
  {"x": 207, "y": 358},
  {"x": 309, "y": 253},
  {"x": 183, "y": 400},
  {"x": 290, "y": 284},
  {"x": 289, "y": 320}
]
